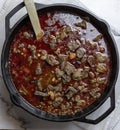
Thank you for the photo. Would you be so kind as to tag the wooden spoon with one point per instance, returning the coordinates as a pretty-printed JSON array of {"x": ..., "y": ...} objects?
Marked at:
[{"x": 30, "y": 6}]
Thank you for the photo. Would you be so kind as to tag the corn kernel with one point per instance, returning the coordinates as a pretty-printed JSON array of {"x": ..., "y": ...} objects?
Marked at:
[
  {"x": 53, "y": 79},
  {"x": 72, "y": 56},
  {"x": 38, "y": 55},
  {"x": 52, "y": 95}
]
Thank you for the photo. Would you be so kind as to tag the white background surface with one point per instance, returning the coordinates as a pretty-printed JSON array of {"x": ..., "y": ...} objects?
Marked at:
[{"x": 12, "y": 117}]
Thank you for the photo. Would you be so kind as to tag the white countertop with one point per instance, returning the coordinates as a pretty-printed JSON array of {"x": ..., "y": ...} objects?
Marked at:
[{"x": 13, "y": 117}]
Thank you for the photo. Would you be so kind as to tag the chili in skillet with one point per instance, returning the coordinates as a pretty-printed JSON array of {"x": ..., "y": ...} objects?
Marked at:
[{"x": 64, "y": 72}]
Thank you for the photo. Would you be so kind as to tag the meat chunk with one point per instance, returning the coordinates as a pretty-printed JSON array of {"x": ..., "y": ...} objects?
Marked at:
[
  {"x": 83, "y": 89},
  {"x": 77, "y": 74},
  {"x": 38, "y": 84},
  {"x": 32, "y": 47},
  {"x": 84, "y": 74},
  {"x": 63, "y": 60},
  {"x": 87, "y": 68},
  {"x": 65, "y": 32},
  {"x": 83, "y": 40},
  {"x": 93, "y": 45},
  {"x": 91, "y": 60},
  {"x": 93, "y": 81},
  {"x": 58, "y": 87},
  {"x": 50, "y": 87},
  {"x": 80, "y": 52},
  {"x": 98, "y": 38},
  {"x": 101, "y": 68},
  {"x": 91, "y": 74},
  {"x": 68, "y": 29},
  {"x": 70, "y": 92},
  {"x": 66, "y": 78},
  {"x": 33, "y": 51},
  {"x": 44, "y": 55},
  {"x": 62, "y": 57},
  {"x": 82, "y": 24},
  {"x": 57, "y": 102},
  {"x": 100, "y": 57},
  {"x": 95, "y": 93},
  {"x": 101, "y": 80},
  {"x": 59, "y": 73},
  {"x": 73, "y": 45},
  {"x": 52, "y": 41},
  {"x": 57, "y": 51},
  {"x": 30, "y": 59},
  {"x": 84, "y": 59},
  {"x": 72, "y": 89},
  {"x": 52, "y": 45},
  {"x": 41, "y": 94},
  {"x": 55, "y": 89},
  {"x": 52, "y": 60},
  {"x": 69, "y": 95},
  {"x": 79, "y": 101},
  {"x": 66, "y": 107},
  {"x": 22, "y": 45},
  {"x": 63, "y": 35},
  {"x": 27, "y": 35},
  {"x": 38, "y": 70},
  {"x": 69, "y": 68}
]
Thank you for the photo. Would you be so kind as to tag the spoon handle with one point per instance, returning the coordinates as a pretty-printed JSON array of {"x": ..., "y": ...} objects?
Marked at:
[{"x": 30, "y": 6}]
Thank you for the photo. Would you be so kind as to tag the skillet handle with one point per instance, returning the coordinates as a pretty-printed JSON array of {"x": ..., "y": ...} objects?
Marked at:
[
  {"x": 14, "y": 11},
  {"x": 9, "y": 15},
  {"x": 104, "y": 115}
]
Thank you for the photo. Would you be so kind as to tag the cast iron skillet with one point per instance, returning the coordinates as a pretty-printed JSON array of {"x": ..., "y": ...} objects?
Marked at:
[{"x": 21, "y": 102}]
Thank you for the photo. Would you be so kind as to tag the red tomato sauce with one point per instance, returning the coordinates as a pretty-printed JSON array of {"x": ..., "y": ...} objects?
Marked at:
[{"x": 64, "y": 72}]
